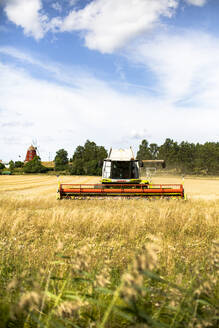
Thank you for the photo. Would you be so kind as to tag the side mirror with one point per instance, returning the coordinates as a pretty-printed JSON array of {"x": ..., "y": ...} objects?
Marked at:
[
  {"x": 141, "y": 164},
  {"x": 163, "y": 165}
]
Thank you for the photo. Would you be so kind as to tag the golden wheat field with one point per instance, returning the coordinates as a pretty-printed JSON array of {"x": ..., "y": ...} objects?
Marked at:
[{"x": 44, "y": 243}]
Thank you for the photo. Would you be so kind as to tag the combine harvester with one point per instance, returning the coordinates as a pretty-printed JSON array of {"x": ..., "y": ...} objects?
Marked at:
[{"x": 121, "y": 178}]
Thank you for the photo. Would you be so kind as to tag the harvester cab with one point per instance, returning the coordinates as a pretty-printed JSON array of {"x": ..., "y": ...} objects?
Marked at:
[
  {"x": 121, "y": 178},
  {"x": 120, "y": 167}
]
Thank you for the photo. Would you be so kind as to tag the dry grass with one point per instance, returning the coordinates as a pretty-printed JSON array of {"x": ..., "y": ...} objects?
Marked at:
[
  {"x": 48, "y": 164},
  {"x": 36, "y": 231}
]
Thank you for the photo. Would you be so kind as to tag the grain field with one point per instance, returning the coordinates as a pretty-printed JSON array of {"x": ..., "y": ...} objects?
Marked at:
[{"x": 107, "y": 263}]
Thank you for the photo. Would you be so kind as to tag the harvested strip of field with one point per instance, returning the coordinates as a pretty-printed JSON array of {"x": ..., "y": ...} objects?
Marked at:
[
  {"x": 195, "y": 188},
  {"x": 24, "y": 184}
]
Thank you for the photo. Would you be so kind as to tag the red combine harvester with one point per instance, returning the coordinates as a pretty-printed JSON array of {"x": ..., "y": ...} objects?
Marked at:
[{"x": 121, "y": 178}]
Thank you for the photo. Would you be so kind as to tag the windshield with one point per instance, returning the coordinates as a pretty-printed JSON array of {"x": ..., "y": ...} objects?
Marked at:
[{"x": 124, "y": 170}]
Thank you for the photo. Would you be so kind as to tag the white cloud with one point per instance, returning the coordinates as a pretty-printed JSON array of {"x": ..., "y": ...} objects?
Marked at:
[
  {"x": 73, "y": 2},
  {"x": 61, "y": 116},
  {"x": 106, "y": 25},
  {"x": 139, "y": 134},
  {"x": 70, "y": 76},
  {"x": 110, "y": 24},
  {"x": 27, "y": 14},
  {"x": 186, "y": 66},
  {"x": 56, "y": 6},
  {"x": 198, "y": 3}
]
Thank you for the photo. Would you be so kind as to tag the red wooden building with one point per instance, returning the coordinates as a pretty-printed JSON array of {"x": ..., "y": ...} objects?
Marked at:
[{"x": 31, "y": 153}]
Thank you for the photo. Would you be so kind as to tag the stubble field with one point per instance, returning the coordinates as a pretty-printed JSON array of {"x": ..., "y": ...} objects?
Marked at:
[{"x": 107, "y": 263}]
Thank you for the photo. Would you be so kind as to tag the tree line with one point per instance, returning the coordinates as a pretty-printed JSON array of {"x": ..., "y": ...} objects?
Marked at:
[
  {"x": 184, "y": 157},
  {"x": 85, "y": 160}
]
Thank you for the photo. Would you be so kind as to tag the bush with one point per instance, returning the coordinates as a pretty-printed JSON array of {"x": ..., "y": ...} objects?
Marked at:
[
  {"x": 35, "y": 166},
  {"x": 18, "y": 164}
]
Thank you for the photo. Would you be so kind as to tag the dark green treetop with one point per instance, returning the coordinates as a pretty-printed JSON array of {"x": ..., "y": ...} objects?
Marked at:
[
  {"x": 61, "y": 160},
  {"x": 86, "y": 159}
]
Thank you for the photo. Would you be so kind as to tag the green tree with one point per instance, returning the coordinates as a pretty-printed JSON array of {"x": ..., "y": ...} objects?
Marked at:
[
  {"x": 144, "y": 150},
  {"x": 154, "y": 150},
  {"x": 11, "y": 166},
  {"x": 35, "y": 166},
  {"x": 77, "y": 167},
  {"x": 209, "y": 157},
  {"x": 186, "y": 157},
  {"x": 18, "y": 164},
  {"x": 2, "y": 166},
  {"x": 86, "y": 159},
  {"x": 79, "y": 153},
  {"x": 78, "y": 161},
  {"x": 61, "y": 160},
  {"x": 169, "y": 151}
]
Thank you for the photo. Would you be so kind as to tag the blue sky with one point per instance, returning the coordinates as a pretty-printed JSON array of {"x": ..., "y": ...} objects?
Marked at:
[{"x": 112, "y": 71}]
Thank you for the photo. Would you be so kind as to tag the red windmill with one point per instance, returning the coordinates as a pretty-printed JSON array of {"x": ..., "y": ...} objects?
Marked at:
[{"x": 31, "y": 153}]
